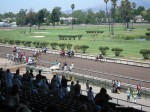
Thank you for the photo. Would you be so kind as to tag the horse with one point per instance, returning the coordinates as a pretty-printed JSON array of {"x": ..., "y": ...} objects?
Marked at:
[
  {"x": 36, "y": 54},
  {"x": 100, "y": 56},
  {"x": 62, "y": 54},
  {"x": 70, "y": 54}
]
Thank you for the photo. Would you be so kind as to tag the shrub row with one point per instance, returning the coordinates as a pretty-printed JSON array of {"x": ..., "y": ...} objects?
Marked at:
[
  {"x": 69, "y": 37},
  {"x": 103, "y": 49},
  {"x": 117, "y": 51},
  {"x": 94, "y": 31}
]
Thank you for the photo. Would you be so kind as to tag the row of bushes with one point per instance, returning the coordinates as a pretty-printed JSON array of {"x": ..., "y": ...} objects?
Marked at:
[
  {"x": 117, "y": 51},
  {"x": 94, "y": 31},
  {"x": 145, "y": 52},
  {"x": 103, "y": 49},
  {"x": 69, "y": 37}
]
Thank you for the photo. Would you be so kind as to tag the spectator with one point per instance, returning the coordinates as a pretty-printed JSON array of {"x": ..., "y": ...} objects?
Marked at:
[
  {"x": 55, "y": 83},
  {"x": 139, "y": 91},
  {"x": 101, "y": 100},
  {"x": 77, "y": 90},
  {"x": 87, "y": 85},
  {"x": 25, "y": 77},
  {"x": 128, "y": 95},
  {"x": 90, "y": 95},
  {"x": 31, "y": 73},
  {"x": 64, "y": 84},
  {"x": 72, "y": 88},
  {"x": 118, "y": 86},
  {"x": 134, "y": 95},
  {"x": 12, "y": 99},
  {"x": 9, "y": 78},
  {"x": 17, "y": 81},
  {"x": 43, "y": 87},
  {"x": 39, "y": 76},
  {"x": 59, "y": 92}
]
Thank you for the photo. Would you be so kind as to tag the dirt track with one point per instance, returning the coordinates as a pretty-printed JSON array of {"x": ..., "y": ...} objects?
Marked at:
[{"x": 113, "y": 68}]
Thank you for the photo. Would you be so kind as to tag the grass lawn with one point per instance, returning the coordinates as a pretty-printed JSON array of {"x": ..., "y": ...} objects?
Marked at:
[{"x": 131, "y": 48}]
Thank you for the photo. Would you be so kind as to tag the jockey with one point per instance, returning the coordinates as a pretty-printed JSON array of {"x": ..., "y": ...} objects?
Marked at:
[
  {"x": 69, "y": 53},
  {"x": 14, "y": 49},
  {"x": 63, "y": 52},
  {"x": 44, "y": 49},
  {"x": 100, "y": 56},
  {"x": 35, "y": 52}
]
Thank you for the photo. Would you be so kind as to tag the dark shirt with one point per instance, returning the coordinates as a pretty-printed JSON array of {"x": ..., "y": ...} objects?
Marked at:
[
  {"x": 64, "y": 83},
  {"x": 77, "y": 89}
]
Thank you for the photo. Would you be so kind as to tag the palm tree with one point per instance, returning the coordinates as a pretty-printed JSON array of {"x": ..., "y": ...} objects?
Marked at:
[
  {"x": 106, "y": 1},
  {"x": 72, "y": 7},
  {"x": 113, "y": 15},
  {"x": 133, "y": 7}
]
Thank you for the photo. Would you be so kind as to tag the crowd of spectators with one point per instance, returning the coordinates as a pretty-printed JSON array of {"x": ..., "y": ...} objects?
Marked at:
[{"x": 58, "y": 85}]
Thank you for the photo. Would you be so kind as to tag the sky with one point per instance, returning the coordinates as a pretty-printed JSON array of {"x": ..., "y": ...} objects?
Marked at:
[
  {"x": 15, "y": 5},
  {"x": 36, "y": 5}
]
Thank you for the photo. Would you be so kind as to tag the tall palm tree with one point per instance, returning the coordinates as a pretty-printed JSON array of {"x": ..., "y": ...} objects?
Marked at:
[
  {"x": 72, "y": 7},
  {"x": 106, "y": 1},
  {"x": 133, "y": 7},
  {"x": 113, "y": 15}
]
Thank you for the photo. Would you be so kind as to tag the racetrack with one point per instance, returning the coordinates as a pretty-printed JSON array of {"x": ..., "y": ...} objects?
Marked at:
[{"x": 106, "y": 67}]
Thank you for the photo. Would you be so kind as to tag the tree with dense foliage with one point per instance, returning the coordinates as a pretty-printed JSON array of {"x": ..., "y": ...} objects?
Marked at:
[
  {"x": 40, "y": 17},
  {"x": 54, "y": 45},
  {"x": 62, "y": 45},
  {"x": 72, "y": 7},
  {"x": 106, "y": 1},
  {"x": 146, "y": 15},
  {"x": 90, "y": 19},
  {"x": 76, "y": 48},
  {"x": 80, "y": 15},
  {"x": 69, "y": 46},
  {"x": 145, "y": 53},
  {"x": 55, "y": 15},
  {"x": 21, "y": 17},
  {"x": 84, "y": 48},
  {"x": 139, "y": 10},
  {"x": 113, "y": 4},
  {"x": 117, "y": 51},
  {"x": 126, "y": 10},
  {"x": 133, "y": 8},
  {"x": 103, "y": 49},
  {"x": 31, "y": 17}
]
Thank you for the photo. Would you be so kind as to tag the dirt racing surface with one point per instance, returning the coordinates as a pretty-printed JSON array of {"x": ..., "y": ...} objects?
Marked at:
[{"x": 106, "y": 67}]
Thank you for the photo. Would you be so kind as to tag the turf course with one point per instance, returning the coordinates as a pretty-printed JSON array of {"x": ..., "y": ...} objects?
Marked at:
[{"x": 131, "y": 47}]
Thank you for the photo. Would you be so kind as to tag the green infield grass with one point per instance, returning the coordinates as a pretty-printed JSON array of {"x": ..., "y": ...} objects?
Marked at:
[{"x": 131, "y": 41}]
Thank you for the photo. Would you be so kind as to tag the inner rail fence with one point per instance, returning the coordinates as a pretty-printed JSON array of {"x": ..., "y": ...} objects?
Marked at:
[
  {"x": 103, "y": 79},
  {"x": 92, "y": 57}
]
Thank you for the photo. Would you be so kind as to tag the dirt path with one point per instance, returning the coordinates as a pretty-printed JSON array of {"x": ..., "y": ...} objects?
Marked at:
[{"x": 112, "y": 68}]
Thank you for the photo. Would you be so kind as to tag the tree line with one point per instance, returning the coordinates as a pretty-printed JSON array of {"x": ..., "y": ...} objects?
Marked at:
[{"x": 121, "y": 13}]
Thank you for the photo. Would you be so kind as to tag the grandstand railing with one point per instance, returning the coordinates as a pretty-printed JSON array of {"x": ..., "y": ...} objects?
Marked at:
[
  {"x": 101, "y": 78},
  {"x": 125, "y": 103},
  {"x": 92, "y": 57}
]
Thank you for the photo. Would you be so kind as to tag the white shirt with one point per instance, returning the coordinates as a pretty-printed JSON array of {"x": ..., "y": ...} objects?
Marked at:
[{"x": 90, "y": 95}]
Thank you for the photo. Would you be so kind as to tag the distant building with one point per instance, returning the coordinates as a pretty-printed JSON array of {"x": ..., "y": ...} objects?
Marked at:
[
  {"x": 3, "y": 24},
  {"x": 139, "y": 19},
  {"x": 67, "y": 20}
]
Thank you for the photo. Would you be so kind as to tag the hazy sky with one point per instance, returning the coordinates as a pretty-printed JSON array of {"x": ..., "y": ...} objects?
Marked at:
[
  {"x": 16, "y": 5},
  {"x": 36, "y": 5}
]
